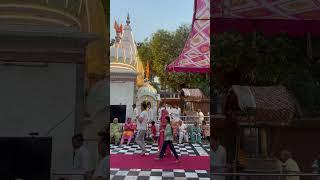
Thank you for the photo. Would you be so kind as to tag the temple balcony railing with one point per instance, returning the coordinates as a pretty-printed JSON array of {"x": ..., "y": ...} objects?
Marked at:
[{"x": 164, "y": 95}]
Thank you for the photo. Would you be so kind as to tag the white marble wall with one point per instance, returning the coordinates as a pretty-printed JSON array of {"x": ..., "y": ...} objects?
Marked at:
[
  {"x": 122, "y": 92},
  {"x": 34, "y": 99}
]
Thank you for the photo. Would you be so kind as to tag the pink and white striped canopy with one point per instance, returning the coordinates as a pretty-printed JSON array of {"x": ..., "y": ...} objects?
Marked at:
[
  {"x": 195, "y": 57},
  {"x": 295, "y": 17}
]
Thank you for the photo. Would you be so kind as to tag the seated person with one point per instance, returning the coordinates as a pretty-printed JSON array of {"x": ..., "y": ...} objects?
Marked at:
[
  {"x": 196, "y": 134},
  {"x": 205, "y": 130},
  {"x": 129, "y": 128},
  {"x": 183, "y": 134},
  {"x": 175, "y": 127},
  {"x": 115, "y": 129}
]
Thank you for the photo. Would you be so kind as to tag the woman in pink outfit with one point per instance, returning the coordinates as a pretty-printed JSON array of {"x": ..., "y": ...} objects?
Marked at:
[{"x": 129, "y": 128}]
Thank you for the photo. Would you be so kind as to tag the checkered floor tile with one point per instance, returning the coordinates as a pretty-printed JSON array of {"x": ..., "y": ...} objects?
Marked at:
[
  {"x": 158, "y": 174},
  {"x": 182, "y": 149}
]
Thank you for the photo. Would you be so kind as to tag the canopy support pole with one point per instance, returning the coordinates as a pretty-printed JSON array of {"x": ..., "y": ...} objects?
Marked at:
[{"x": 309, "y": 46}]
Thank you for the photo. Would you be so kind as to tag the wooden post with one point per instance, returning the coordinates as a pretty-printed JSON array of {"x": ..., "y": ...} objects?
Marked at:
[
  {"x": 264, "y": 142},
  {"x": 309, "y": 46}
]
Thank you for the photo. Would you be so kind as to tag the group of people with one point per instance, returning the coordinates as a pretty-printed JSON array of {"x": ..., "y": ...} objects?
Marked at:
[
  {"x": 173, "y": 111},
  {"x": 142, "y": 124},
  {"x": 286, "y": 163},
  {"x": 181, "y": 132},
  {"x": 116, "y": 131}
]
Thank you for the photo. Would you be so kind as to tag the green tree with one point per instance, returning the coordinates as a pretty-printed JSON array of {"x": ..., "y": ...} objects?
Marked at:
[
  {"x": 256, "y": 59},
  {"x": 162, "y": 49}
]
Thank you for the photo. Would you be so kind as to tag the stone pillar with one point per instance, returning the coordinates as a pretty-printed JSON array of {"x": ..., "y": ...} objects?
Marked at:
[{"x": 42, "y": 69}]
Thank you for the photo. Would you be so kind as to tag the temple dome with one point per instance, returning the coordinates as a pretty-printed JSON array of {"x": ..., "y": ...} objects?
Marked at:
[{"x": 147, "y": 90}]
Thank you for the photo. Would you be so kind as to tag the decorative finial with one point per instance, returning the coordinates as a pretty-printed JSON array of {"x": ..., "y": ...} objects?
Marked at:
[
  {"x": 118, "y": 31},
  {"x": 128, "y": 19},
  {"x": 117, "y": 27},
  {"x": 147, "y": 71}
]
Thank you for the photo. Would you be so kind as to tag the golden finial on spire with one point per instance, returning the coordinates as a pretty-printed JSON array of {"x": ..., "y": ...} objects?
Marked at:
[
  {"x": 117, "y": 27},
  {"x": 147, "y": 71}
]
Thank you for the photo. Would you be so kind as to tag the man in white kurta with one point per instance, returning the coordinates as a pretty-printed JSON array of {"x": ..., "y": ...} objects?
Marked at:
[
  {"x": 81, "y": 159},
  {"x": 183, "y": 134},
  {"x": 200, "y": 116},
  {"x": 150, "y": 114},
  {"x": 135, "y": 113},
  {"x": 179, "y": 112},
  {"x": 174, "y": 113},
  {"x": 160, "y": 111},
  {"x": 289, "y": 165},
  {"x": 218, "y": 159}
]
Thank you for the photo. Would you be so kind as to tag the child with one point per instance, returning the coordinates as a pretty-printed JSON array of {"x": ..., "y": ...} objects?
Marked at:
[
  {"x": 205, "y": 130},
  {"x": 153, "y": 131},
  {"x": 168, "y": 132}
]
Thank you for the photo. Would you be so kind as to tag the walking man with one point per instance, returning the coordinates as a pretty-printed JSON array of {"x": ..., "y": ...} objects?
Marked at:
[{"x": 142, "y": 127}]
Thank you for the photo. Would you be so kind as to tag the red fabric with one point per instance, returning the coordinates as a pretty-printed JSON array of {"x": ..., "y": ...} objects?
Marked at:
[
  {"x": 129, "y": 126},
  {"x": 163, "y": 124},
  {"x": 154, "y": 130},
  {"x": 123, "y": 161}
]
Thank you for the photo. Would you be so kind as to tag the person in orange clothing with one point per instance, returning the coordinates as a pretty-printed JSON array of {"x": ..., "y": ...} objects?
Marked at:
[{"x": 129, "y": 128}]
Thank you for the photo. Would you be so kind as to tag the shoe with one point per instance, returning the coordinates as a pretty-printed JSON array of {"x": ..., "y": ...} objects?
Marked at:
[
  {"x": 143, "y": 153},
  {"x": 158, "y": 159},
  {"x": 178, "y": 161}
]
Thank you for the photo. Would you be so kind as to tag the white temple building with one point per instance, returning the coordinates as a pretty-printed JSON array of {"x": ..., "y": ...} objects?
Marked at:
[{"x": 126, "y": 70}]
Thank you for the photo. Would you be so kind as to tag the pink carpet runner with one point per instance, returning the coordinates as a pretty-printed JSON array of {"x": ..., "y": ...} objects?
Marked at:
[{"x": 148, "y": 162}]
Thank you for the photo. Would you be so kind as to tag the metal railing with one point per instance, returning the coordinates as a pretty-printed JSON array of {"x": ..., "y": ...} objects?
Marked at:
[{"x": 188, "y": 118}]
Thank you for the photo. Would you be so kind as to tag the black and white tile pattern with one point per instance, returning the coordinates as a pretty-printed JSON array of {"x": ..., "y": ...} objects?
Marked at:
[
  {"x": 182, "y": 149},
  {"x": 158, "y": 174}
]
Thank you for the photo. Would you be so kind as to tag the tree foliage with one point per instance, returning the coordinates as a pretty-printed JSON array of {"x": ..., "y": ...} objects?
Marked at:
[
  {"x": 254, "y": 59},
  {"x": 257, "y": 60},
  {"x": 163, "y": 48}
]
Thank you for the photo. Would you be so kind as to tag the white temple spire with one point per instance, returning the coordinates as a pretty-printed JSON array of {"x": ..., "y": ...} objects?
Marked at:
[{"x": 128, "y": 20}]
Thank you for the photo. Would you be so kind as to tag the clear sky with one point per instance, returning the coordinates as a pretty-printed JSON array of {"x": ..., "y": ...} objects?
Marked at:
[{"x": 148, "y": 16}]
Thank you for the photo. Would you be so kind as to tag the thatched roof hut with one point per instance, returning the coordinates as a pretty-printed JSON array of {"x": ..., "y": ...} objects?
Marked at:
[
  {"x": 192, "y": 94},
  {"x": 253, "y": 105}
]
